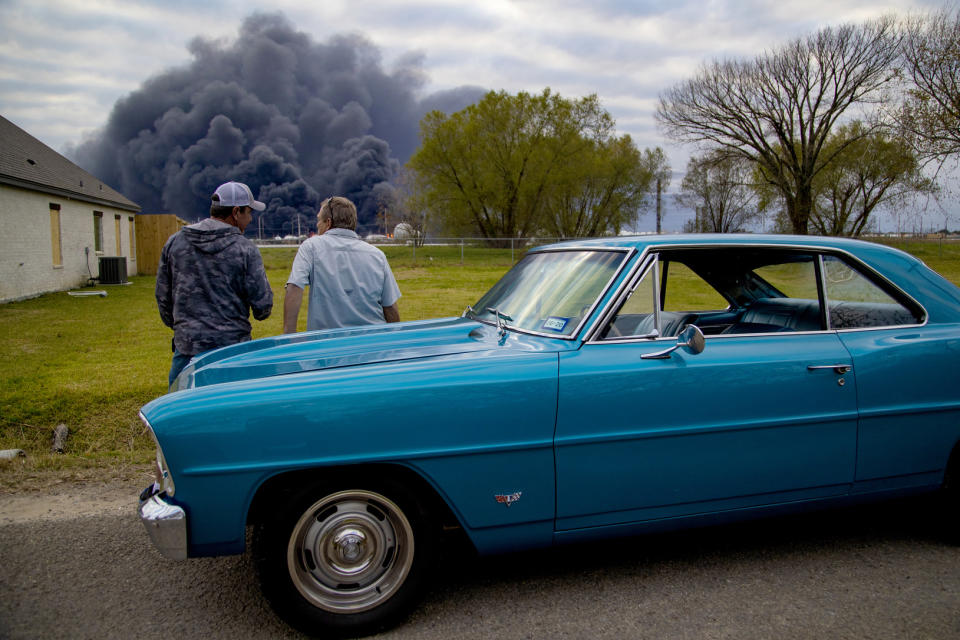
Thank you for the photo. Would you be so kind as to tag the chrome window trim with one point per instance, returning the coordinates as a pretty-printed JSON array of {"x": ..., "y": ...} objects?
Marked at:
[
  {"x": 822, "y": 291},
  {"x": 631, "y": 282},
  {"x": 627, "y": 252},
  {"x": 592, "y": 336}
]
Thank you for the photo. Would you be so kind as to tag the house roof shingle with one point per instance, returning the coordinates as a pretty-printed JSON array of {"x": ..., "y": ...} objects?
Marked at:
[{"x": 28, "y": 163}]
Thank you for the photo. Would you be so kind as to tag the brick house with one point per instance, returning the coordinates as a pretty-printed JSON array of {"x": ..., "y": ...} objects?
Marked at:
[{"x": 58, "y": 221}]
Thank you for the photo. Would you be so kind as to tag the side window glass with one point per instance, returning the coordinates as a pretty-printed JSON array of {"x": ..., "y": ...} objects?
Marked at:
[
  {"x": 686, "y": 297},
  {"x": 779, "y": 294},
  {"x": 756, "y": 291},
  {"x": 686, "y": 291},
  {"x": 854, "y": 301},
  {"x": 636, "y": 316},
  {"x": 792, "y": 279}
]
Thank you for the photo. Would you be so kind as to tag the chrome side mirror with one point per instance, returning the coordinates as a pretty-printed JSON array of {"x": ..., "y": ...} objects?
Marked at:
[{"x": 691, "y": 338}]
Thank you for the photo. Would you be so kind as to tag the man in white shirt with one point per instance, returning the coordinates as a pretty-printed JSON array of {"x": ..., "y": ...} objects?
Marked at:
[{"x": 351, "y": 283}]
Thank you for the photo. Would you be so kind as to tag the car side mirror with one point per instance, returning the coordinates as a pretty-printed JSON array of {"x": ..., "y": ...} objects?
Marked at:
[{"x": 691, "y": 338}]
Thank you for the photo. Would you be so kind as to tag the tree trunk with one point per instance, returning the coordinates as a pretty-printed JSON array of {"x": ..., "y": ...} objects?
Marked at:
[{"x": 799, "y": 209}]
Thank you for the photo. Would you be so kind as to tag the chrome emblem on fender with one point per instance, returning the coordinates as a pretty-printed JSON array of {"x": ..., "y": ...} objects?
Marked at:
[{"x": 508, "y": 499}]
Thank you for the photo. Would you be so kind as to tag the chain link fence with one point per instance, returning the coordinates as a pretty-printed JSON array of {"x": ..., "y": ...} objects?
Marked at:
[{"x": 448, "y": 250}]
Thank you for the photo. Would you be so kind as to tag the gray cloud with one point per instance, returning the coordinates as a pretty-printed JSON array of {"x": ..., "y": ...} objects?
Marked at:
[{"x": 296, "y": 119}]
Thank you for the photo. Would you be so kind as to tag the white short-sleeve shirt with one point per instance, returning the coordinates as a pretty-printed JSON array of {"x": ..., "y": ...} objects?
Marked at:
[{"x": 350, "y": 280}]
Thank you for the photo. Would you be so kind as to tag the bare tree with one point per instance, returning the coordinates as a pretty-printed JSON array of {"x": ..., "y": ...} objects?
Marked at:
[
  {"x": 718, "y": 187},
  {"x": 931, "y": 66},
  {"x": 779, "y": 109},
  {"x": 403, "y": 205}
]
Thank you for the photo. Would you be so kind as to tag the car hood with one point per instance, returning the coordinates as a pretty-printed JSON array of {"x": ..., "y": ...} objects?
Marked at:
[{"x": 314, "y": 350}]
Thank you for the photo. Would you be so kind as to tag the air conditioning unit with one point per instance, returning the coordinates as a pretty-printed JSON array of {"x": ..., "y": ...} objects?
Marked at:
[{"x": 113, "y": 270}]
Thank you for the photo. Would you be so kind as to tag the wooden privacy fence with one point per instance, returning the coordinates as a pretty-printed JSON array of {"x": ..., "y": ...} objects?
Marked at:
[{"x": 152, "y": 231}]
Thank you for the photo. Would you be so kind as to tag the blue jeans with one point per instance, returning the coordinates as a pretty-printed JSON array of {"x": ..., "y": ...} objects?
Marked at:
[{"x": 179, "y": 362}]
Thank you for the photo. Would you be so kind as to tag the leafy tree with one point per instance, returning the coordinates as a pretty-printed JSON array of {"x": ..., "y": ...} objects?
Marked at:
[
  {"x": 719, "y": 187},
  {"x": 871, "y": 171},
  {"x": 497, "y": 167},
  {"x": 601, "y": 192},
  {"x": 778, "y": 109},
  {"x": 931, "y": 66}
]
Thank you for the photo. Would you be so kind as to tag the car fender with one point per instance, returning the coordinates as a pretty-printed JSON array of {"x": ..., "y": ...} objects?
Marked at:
[{"x": 479, "y": 427}]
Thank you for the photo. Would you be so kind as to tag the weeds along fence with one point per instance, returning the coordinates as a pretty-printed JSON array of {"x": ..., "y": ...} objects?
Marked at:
[{"x": 447, "y": 250}]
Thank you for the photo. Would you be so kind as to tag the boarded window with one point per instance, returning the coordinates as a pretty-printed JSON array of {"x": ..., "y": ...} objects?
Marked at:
[
  {"x": 55, "y": 243},
  {"x": 117, "y": 236},
  {"x": 133, "y": 238},
  {"x": 98, "y": 231}
]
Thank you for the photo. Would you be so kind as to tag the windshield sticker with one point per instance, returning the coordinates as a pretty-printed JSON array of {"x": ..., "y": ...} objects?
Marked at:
[{"x": 555, "y": 324}]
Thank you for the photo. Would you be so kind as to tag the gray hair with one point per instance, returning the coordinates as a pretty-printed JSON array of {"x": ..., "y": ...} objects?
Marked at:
[{"x": 341, "y": 212}]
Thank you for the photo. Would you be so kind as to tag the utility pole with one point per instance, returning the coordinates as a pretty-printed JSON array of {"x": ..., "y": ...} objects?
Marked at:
[{"x": 659, "y": 188}]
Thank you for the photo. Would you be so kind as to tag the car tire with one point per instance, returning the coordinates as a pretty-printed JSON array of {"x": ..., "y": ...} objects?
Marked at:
[
  {"x": 949, "y": 503},
  {"x": 345, "y": 561}
]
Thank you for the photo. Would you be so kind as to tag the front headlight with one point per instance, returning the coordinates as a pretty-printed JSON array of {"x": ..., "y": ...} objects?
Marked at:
[{"x": 162, "y": 477}]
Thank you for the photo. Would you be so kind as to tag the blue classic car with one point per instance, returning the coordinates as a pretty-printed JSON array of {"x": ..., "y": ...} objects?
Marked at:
[{"x": 601, "y": 388}]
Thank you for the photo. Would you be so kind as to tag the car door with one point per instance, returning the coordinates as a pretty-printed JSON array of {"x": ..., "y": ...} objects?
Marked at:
[
  {"x": 906, "y": 383},
  {"x": 755, "y": 419}
]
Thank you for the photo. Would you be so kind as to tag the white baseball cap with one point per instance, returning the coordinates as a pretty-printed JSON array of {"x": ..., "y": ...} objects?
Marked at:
[{"x": 237, "y": 194}]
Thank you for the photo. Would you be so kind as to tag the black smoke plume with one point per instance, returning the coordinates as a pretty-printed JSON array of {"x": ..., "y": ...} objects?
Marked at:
[{"x": 296, "y": 119}]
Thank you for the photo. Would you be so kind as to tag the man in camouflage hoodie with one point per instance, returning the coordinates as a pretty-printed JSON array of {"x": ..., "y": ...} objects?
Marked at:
[{"x": 210, "y": 277}]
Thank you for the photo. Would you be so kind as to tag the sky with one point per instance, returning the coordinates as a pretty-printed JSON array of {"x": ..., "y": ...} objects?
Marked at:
[{"x": 64, "y": 64}]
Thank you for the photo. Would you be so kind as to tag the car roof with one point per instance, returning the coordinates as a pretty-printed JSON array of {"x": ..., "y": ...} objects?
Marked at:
[
  {"x": 641, "y": 242},
  {"x": 904, "y": 270},
  {"x": 879, "y": 256}
]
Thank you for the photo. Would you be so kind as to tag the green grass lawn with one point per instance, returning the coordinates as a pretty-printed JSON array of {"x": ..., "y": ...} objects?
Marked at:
[
  {"x": 941, "y": 256},
  {"x": 91, "y": 362}
]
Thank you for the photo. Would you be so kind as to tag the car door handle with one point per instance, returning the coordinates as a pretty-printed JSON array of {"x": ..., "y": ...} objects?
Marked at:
[{"x": 840, "y": 369}]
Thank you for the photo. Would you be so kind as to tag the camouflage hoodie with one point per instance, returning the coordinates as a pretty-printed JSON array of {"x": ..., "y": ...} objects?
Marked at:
[{"x": 208, "y": 279}]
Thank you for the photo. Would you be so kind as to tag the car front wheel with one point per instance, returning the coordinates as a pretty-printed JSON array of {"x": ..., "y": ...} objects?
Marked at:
[
  {"x": 348, "y": 561},
  {"x": 949, "y": 505}
]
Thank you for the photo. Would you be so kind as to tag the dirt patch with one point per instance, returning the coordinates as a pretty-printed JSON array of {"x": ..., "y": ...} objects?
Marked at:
[
  {"x": 50, "y": 498},
  {"x": 35, "y": 474}
]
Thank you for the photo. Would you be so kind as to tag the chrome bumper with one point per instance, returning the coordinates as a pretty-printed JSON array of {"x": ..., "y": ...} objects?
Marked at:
[{"x": 166, "y": 524}]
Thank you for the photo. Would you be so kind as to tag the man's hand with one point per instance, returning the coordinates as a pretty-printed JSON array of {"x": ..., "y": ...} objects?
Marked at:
[{"x": 292, "y": 298}]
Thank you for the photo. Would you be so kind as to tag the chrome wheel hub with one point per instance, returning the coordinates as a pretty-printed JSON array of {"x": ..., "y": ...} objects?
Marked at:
[
  {"x": 350, "y": 551},
  {"x": 350, "y": 545}
]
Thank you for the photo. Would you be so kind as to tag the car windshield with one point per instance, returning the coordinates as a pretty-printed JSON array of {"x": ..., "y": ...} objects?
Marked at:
[{"x": 549, "y": 292}]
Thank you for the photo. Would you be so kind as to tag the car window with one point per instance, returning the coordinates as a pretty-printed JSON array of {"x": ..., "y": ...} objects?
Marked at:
[
  {"x": 726, "y": 290},
  {"x": 549, "y": 292},
  {"x": 685, "y": 293},
  {"x": 854, "y": 301},
  {"x": 684, "y": 290},
  {"x": 792, "y": 279},
  {"x": 636, "y": 315}
]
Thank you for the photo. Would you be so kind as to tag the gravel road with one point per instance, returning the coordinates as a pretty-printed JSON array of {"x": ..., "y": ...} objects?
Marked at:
[{"x": 76, "y": 563}]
